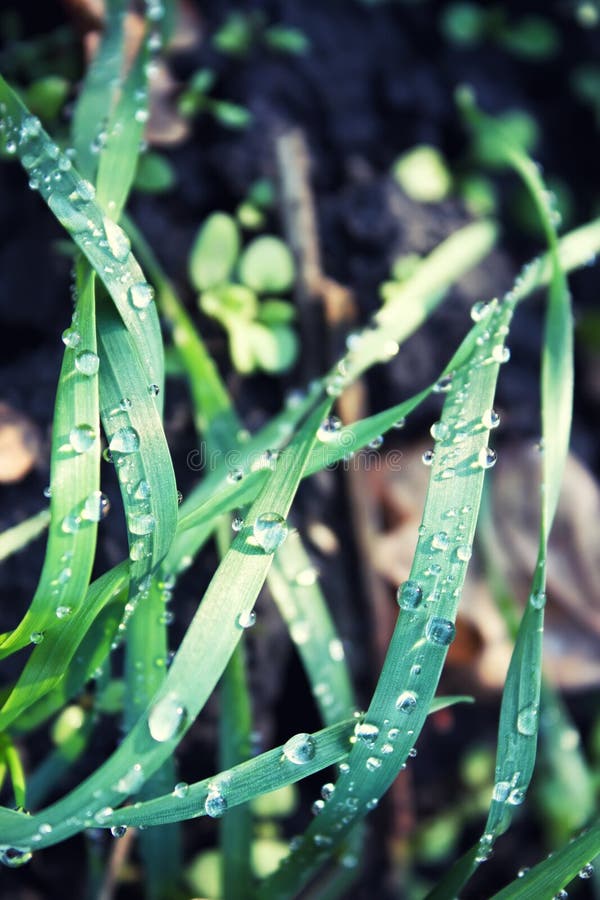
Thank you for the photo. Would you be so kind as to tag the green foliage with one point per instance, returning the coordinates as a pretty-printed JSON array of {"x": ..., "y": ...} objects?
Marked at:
[
  {"x": 241, "y": 33},
  {"x": 112, "y": 376},
  {"x": 423, "y": 174}
]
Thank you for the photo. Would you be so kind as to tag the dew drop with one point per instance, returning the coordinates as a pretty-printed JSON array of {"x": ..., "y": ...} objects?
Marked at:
[
  {"x": 500, "y": 353},
  {"x": 270, "y": 531},
  {"x": 399, "y": 423},
  {"x": 87, "y": 362},
  {"x": 443, "y": 385},
  {"x": 327, "y": 790},
  {"x": 480, "y": 310},
  {"x": 587, "y": 871},
  {"x": 367, "y": 732},
  {"x": 373, "y": 763},
  {"x": 166, "y": 718},
  {"x": 118, "y": 241},
  {"x": 246, "y": 619},
  {"x": 71, "y": 338},
  {"x": 487, "y": 458},
  {"x": 215, "y": 804},
  {"x": 538, "y": 599},
  {"x": 376, "y": 443},
  {"x": 118, "y": 831},
  {"x": 141, "y": 295},
  {"x": 181, "y": 789},
  {"x": 62, "y": 612},
  {"x": 427, "y": 457},
  {"x": 439, "y": 431},
  {"x": 71, "y": 218},
  {"x": 96, "y": 507},
  {"x": 440, "y": 541},
  {"x": 36, "y": 637},
  {"x": 82, "y": 438},
  {"x": 125, "y": 440},
  {"x": 141, "y": 523},
  {"x": 317, "y": 807},
  {"x": 562, "y": 895},
  {"x": 410, "y": 595},
  {"x": 153, "y": 390},
  {"x": 527, "y": 720},
  {"x": 406, "y": 702},
  {"x": 501, "y": 791},
  {"x": 13, "y": 858},
  {"x": 237, "y": 523},
  {"x": 329, "y": 428},
  {"x": 490, "y": 419},
  {"x": 300, "y": 748},
  {"x": 235, "y": 475},
  {"x": 440, "y": 631}
]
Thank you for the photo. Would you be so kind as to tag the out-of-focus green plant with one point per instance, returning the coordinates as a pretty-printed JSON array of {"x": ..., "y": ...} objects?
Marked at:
[
  {"x": 195, "y": 99},
  {"x": 231, "y": 281}
]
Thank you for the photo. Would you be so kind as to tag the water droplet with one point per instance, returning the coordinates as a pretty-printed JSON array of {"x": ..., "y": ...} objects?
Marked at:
[
  {"x": 490, "y": 419},
  {"x": 399, "y": 423},
  {"x": 125, "y": 440},
  {"x": 87, "y": 363},
  {"x": 82, "y": 438},
  {"x": 523, "y": 872},
  {"x": 516, "y": 797},
  {"x": 336, "y": 650},
  {"x": 215, "y": 804},
  {"x": 118, "y": 241},
  {"x": 71, "y": 522},
  {"x": 166, "y": 718},
  {"x": 307, "y": 577},
  {"x": 125, "y": 404},
  {"x": 329, "y": 428},
  {"x": 367, "y": 732},
  {"x": 138, "y": 550},
  {"x": 62, "y": 612},
  {"x": 406, "y": 702},
  {"x": 440, "y": 541},
  {"x": 587, "y": 871},
  {"x": 480, "y": 310},
  {"x": 141, "y": 295},
  {"x": 538, "y": 599},
  {"x": 237, "y": 523},
  {"x": 439, "y": 431},
  {"x": 501, "y": 791},
  {"x": 300, "y": 748},
  {"x": 322, "y": 840},
  {"x": 527, "y": 720},
  {"x": 486, "y": 458},
  {"x": 71, "y": 218},
  {"x": 500, "y": 353},
  {"x": 440, "y": 631},
  {"x": 85, "y": 190},
  {"x": 132, "y": 780},
  {"x": 443, "y": 384},
  {"x": 376, "y": 443},
  {"x": 427, "y": 457},
  {"x": 246, "y": 619},
  {"x": 13, "y": 858},
  {"x": 410, "y": 595},
  {"x": 327, "y": 790},
  {"x": 96, "y": 507},
  {"x": 300, "y": 632},
  {"x": 562, "y": 895},
  {"x": 270, "y": 531},
  {"x": 36, "y": 637},
  {"x": 71, "y": 338},
  {"x": 118, "y": 831},
  {"x": 317, "y": 807},
  {"x": 141, "y": 523},
  {"x": 464, "y": 552},
  {"x": 181, "y": 789},
  {"x": 235, "y": 475},
  {"x": 153, "y": 390}
]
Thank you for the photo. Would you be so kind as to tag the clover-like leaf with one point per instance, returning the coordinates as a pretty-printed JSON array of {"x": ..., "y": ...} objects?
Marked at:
[
  {"x": 267, "y": 265},
  {"x": 214, "y": 252}
]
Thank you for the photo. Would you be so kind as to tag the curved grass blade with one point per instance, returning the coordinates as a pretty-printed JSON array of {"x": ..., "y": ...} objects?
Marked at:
[
  {"x": 70, "y": 198},
  {"x": 550, "y": 876},
  {"x": 425, "y": 627},
  {"x": 74, "y": 480},
  {"x": 19, "y": 536},
  {"x": 11, "y": 763}
]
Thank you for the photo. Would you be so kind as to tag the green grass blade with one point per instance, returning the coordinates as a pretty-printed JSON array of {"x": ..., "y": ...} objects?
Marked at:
[
  {"x": 19, "y": 536},
  {"x": 74, "y": 477},
  {"x": 551, "y": 875}
]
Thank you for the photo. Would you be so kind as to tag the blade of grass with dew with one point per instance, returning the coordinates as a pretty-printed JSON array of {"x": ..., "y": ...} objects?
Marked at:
[
  {"x": 70, "y": 198},
  {"x": 553, "y": 874},
  {"x": 300, "y": 756},
  {"x": 518, "y": 727},
  {"x": 19, "y": 536},
  {"x": 49, "y": 662},
  {"x": 196, "y": 668},
  {"x": 99, "y": 90},
  {"x": 74, "y": 480},
  {"x": 426, "y": 624}
]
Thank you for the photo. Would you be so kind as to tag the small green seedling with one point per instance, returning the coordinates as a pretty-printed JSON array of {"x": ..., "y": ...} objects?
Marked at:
[
  {"x": 468, "y": 24},
  {"x": 241, "y": 33},
  {"x": 196, "y": 99},
  {"x": 154, "y": 174},
  {"x": 231, "y": 280},
  {"x": 252, "y": 211}
]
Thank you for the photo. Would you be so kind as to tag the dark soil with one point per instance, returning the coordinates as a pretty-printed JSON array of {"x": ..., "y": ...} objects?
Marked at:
[{"x": 379, "y": 80}]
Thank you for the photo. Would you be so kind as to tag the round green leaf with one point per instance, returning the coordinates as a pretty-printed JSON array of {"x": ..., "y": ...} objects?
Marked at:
[
  {"x": 276, "y": 312},
  {"x": 423, "y": 175},
  {"x": 229, "y": 301},
  {"x": 214, "y": 252},
  {"x": 267, "y": 265},
  {"x": 275, "y": 349}
]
